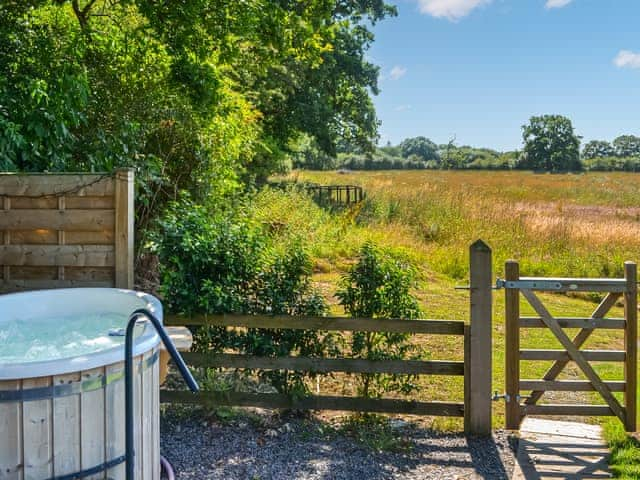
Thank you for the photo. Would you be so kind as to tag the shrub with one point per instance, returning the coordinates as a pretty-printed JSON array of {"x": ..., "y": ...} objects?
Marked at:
[
  {"x": 379, "y": 285},
  {"x": 224, "y": 263}
]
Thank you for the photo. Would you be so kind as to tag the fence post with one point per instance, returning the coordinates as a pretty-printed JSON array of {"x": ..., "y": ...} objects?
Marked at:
[
  {"x": 512, "y": 348},
  {"x": 478, "y": 391},
  {"x": 631, "y": 341},
  {"x": 124, "y": 212}
]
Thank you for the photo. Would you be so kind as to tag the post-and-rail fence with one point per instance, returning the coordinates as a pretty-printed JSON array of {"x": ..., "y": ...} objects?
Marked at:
[
  {"x": 475, "y": 368},
  {"x": 337, "y": 194}
]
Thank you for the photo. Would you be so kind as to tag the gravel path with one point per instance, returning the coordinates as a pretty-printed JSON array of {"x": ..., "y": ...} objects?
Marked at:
[{"x": 273, "y": 448}]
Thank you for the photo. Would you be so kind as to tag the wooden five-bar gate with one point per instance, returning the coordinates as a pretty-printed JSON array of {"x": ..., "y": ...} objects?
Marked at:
[{"x": 518, "y": 406}]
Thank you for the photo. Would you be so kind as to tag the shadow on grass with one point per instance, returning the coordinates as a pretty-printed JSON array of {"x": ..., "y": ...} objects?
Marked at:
[{"x": 624, "y": 461}]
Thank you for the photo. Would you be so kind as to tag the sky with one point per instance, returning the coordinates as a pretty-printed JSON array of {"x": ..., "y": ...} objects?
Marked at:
[{"x": 477, "y": 70}]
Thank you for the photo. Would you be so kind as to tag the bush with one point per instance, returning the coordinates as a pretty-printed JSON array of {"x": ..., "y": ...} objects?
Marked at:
[
  {"x": 224, "y": 263},
  {"x": 379, "y": 285}
]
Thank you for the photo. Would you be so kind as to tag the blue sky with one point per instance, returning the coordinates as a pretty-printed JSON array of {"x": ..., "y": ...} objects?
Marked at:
[{"x": 478, "y": 69}]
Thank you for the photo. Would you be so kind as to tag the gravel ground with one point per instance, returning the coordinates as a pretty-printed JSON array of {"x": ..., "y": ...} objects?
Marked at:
[{"x": 266, "y": 447}]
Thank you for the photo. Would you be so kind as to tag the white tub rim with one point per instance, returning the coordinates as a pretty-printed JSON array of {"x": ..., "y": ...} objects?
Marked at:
[{"x": 148, "y": 340}]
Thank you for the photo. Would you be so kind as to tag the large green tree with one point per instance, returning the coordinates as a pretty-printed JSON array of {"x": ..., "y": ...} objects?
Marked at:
[
  {"x": 627, "y": 146},
  {"x": 598, "y": 149},
  {"x": 550, "y": 144},
  {"x": 419, "y": 146}
]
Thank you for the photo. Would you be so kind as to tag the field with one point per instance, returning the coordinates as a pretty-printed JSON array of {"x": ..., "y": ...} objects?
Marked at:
[{"x": 554, "y": 225}]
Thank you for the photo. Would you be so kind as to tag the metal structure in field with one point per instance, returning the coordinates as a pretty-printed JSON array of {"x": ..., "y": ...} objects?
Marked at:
[
  {"x": 337, "y": 194},
  {"x": 614, "y": 289},
  {"x": 66, "y": 230}
]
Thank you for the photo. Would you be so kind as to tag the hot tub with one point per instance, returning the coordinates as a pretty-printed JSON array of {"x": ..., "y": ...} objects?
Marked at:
[{"x": 62, "y": 406}]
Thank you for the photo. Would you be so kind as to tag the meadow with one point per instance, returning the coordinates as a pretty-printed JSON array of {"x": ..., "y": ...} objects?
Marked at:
[{"x": 583, "y": 225}]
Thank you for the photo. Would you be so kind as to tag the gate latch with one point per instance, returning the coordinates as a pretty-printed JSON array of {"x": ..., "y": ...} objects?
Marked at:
[{"x": 497, "y": 396}]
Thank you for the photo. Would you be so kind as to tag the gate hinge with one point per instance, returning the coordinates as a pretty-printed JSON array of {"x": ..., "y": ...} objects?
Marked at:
[{"x": 497, "y": 396}]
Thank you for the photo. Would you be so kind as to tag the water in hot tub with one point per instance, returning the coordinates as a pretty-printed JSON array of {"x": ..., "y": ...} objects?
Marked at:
[{"x": 44, "y": 339}]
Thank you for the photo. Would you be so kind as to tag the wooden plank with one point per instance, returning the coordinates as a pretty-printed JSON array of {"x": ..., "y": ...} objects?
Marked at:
[
  {"x": 324, "y": 365},
  {"x": 37, "y": 424},
  {"x": 631, "y": 344},
  {"x": 569, "y": 410},
  {"x": 92, "y": 424},
  {"x": 66, "y": 429},
  {"x": 124, "y": 228},
  {"x": 104, "y": 237},
  {"x": 15, "y": 285},
  {"x": 467, "y": 379},
  {"x": 36, "y": 185},
  {"x": 480, "y": 376},
  {"x": 58, "y": 255},
  {"x": 61, "y": 237},
  {"x": 145, "y": 456},
  {"x": 278, "y": 401},
  {"x": 567, "y": 385},
  {"x": 41, "y": 236},
  {"x": 115, "y": 421},
  {"x": 434, "y": 327},
  {"x": 84, "y": 220},
  {"x": 21, "y": 203},
  {"x": 562, "y": 355},
  {"x": 598, "y": 314},
  {"x": 11, "y": 438},
  {"x": 513, "y": 415},
  {"x": 585, "y": 323},
  {"x": 580, "y": 284},
  {"x": 575, "y": 354},
  {"x": 34, "y": 273},
  {"x": 89, "y": 203},
  {"x": 6, "y": 238},
  {"x": 90, "y": 274}
]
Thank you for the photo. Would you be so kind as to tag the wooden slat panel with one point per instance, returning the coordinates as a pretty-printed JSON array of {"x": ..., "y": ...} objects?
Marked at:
[
  {"x": 573, "y": 410},
  {"x": 512, "y": 346},
  {"x": 90, "y": 203},
  {"x": 273, "y": 400},
  {"x": 37, "y": 424},
  {"x": 324, "y": 365},
  {"x": 40, "y": 236},
  {"x": 92, "y": 424},
  {"x": 610, "y": 285},
  {"x": 34, "y": 273},
  {"x": 631, "y": 345},
  {"x": 115, "y": 421},
  {"x": 146, "y": 454},
  {"x": 20, "y": 203},
  {"x": 78, "y": 220},
  {"x": 66, "y": 429},
  {"x": 14, "y": 285},
  {"x": 442, "y": 327},
  {"x": 35, "y": 185},
  {"x": 104, "y": 237},
  {"x": 567, "y": 385},
  {"x": 58, "y": 255},
  {"x": 590, "y": 323},
  {"x": 90, "y": 274},
  {"x": 593, "y": 355},
  {"x": 11, "y": 436}
]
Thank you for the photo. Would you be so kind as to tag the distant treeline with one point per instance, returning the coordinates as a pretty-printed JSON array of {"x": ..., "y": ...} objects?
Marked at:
[{"x": 549, "y": 144}]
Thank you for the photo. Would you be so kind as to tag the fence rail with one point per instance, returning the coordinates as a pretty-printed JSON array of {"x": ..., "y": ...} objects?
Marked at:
[{"x": 347, "y": 194}]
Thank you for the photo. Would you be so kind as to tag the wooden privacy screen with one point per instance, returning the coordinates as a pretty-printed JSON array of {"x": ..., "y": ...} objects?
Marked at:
[{"x": 66, "y": 230}]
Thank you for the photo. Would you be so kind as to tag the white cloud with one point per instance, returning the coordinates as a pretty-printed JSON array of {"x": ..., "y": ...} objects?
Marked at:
[
  {"x": 557, "y": 3},
  {"x": 450, "y": 9},
  {"x": 397, "y": 72},
  {"x": 402, "y": 108},
  {"x": 627, "y": 59}
]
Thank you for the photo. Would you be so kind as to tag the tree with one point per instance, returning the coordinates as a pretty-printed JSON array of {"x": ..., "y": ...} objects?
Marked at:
[
  {"x": 598, "y": 149},
  {"x": 420, "y": 146},
  {"x": 627, "y": 146},
  {"x": 550, "y": 144}
]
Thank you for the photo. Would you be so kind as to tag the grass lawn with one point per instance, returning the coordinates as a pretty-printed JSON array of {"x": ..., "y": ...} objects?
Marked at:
[{"x": 554, "y": 225}]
